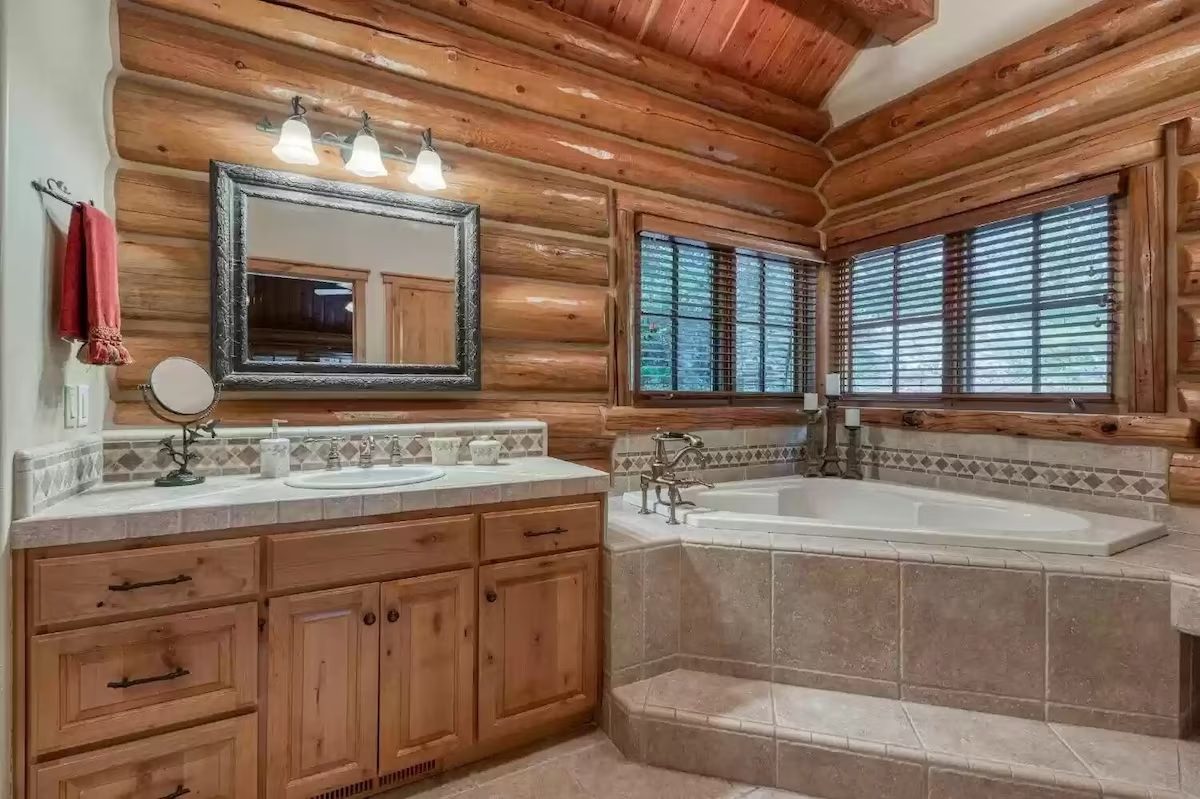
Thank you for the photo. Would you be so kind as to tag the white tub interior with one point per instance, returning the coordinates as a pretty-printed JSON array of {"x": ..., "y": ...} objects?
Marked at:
[{"x": 891, "y": 512}]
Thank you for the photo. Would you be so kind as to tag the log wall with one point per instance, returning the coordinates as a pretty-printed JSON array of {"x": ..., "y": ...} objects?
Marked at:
[{"x": 540, "y": 143}]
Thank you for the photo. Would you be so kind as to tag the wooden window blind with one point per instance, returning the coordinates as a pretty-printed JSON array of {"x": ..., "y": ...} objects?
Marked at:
[
  {"x": 721, "y": 322},
  {"x": 1019, "y": 308}
]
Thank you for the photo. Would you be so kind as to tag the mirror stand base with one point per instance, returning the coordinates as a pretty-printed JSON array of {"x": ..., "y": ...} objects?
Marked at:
[{"x": 176, "y": 479}]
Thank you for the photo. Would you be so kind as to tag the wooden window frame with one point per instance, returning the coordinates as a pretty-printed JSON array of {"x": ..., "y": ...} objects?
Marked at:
[
  {"x": 956, "y": 230},
  {"x": 630, "y": 227}
]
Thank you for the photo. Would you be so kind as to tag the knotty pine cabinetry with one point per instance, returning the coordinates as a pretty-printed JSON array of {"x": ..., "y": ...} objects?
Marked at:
[{"x": 315, "y": 660}]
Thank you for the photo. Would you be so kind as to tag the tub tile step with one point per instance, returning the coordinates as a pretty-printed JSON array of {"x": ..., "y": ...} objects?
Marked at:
[{"x": 835, "y": 745}]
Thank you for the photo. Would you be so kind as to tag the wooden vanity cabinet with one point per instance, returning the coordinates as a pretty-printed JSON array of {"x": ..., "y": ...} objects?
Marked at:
[
  {"x": 314, "y": 661},
  {"x": 322, "y": 690},
  {"x": 537, "y": 641}
]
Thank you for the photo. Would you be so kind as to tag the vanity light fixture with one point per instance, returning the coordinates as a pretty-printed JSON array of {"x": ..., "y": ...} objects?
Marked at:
[
  {"x": 365, "y": 160},
  {"x": 427, "y": 171},
  {"x": 295, "y": 144},
  {"x": 361, "y": 152}
]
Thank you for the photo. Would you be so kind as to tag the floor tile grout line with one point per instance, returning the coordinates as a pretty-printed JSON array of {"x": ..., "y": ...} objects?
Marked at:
[{"x": 1074, "y": 754}]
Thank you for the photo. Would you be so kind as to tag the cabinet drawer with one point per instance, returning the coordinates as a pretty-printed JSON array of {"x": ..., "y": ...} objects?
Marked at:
[
  {"x": 364, "y": 552},
  {"x": 515, "y": 533},
  {"x": 104, "y": 682},
  {"x": 82, "y": 587},
  {"x": 212, "y": 761}
]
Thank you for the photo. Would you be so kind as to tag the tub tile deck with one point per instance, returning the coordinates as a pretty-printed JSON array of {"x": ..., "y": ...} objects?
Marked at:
[{"x": 892, "y": 748}]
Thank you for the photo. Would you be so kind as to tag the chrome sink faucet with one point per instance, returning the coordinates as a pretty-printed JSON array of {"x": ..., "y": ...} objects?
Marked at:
[
  {"x": 366, "y": 452},
  {"x": 333, "y": 460},
  {"x": 662, "y": 472}
]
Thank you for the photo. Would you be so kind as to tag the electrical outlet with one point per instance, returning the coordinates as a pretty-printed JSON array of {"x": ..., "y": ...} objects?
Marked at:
[
  {"x": 84, "y": 414},
  {"x": 70, "y": 406}
]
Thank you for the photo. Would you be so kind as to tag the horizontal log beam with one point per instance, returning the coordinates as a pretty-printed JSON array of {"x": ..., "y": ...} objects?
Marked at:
[
  {"x": 1153, "y": 430},
  {"x": 521, "y": 253},
  {"x": 723, "y": 218},
  {"x": 166, "y": 127},
  {"x": 1189, "y": 199},
  {"x": 516, "y": 308},
  {"x": 175, "y": 206},
  {"x": 397, "y": 39},
  {"x": 173, "y": 47},
  {"x": 1189, "y": 136},
  {"x": 1189, "y": 269},
  {"x": 1154, "y": 70},
  {"x": 1096, "y": 30},
  {"x": 544, "y": 28},
  {"x": 541, "y": 368},
  {"x": 1188, "y": 331},
  {"x": 565, "y": 419},
  {"x": 630, "y": 419},
  {"x": 891, "y": 19},
  {"x": 1119, "y": 143},
  {"x": 1183, "y": 481}
]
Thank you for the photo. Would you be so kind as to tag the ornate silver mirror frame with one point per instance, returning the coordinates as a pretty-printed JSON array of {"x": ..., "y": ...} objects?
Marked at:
[{"x": 232, "y": 185}]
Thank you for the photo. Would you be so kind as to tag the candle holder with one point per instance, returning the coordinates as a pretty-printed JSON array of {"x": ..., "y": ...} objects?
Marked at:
[
  {"x": 853, "y": 459},
  {"x": 812, "y": 457},
  {"x": 831, "y": 465}
]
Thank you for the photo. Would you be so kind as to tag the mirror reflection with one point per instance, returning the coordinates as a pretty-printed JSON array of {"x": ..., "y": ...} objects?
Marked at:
[{"x": 331, "y": 286}]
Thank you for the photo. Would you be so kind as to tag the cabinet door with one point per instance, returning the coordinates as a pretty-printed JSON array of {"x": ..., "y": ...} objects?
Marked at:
[
  {"x": 322, "y": 692},
  {"x": 537, "y": 634},
  {"x": 427, "y": 668}
]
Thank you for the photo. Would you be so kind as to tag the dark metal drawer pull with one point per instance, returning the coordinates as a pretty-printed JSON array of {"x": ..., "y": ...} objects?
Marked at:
[
  {"x": 178, "y": 792},
  {"x": 175, "y": 674},
  {"x": 535, "y": 534},
  {"x": 128, "y": 586}
]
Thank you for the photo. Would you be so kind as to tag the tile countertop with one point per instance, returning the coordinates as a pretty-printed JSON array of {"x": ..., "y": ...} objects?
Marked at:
[{"x": 115, "y": 511}]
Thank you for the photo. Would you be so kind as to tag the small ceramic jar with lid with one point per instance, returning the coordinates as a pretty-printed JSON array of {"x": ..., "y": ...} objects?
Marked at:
[
  {"x": 445, "y": 450},
  {"x": 485, "y": 451}
]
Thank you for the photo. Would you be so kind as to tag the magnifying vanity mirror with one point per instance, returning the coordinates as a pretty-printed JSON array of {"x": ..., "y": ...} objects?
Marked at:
[
  {"x": 326, "y": 285},
  {"x": 181, "y": 392}
]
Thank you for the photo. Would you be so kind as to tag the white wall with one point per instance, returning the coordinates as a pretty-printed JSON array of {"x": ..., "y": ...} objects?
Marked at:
[
  {"x": 964, "y": 31},
  {"x": 55, "y": 60}
]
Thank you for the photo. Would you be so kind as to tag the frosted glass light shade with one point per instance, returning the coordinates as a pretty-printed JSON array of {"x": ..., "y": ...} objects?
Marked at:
[
  {"x": 427, "y": 171},
  {"x": 295, "y": 144},
  {"x": 365, "y": 161}
]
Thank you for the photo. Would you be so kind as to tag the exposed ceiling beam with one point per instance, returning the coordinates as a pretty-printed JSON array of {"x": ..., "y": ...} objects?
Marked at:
[{"x": 891, "y": 19}]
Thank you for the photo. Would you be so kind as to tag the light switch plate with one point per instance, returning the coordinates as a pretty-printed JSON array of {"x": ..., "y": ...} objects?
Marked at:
[
  {"x": 84, "y": 415},
  {"x": 71, "y": 406}
]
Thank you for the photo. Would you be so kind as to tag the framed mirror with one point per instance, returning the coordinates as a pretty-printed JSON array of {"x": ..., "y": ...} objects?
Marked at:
[{"x": 319, "y": 284}]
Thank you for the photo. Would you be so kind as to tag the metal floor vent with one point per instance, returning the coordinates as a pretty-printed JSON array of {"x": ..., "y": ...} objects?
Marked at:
[{"x": 408, "y": 774}]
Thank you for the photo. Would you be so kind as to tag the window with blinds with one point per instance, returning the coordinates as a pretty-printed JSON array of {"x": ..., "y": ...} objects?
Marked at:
[
  {"x": 1014, "y": 309},
  {"x": 717, "y": 321}
]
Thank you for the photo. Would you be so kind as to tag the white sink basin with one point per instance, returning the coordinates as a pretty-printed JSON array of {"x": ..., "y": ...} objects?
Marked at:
[{"x": 374, "y": 477}]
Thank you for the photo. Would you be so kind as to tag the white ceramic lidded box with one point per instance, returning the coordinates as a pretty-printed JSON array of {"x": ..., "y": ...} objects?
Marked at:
[
  {"x": 485, "y": 451},
  {"x": 445, "y": 450}
]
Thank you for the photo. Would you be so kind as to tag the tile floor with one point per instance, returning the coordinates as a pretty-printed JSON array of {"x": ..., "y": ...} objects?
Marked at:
[{"x": 584, "y": 766}]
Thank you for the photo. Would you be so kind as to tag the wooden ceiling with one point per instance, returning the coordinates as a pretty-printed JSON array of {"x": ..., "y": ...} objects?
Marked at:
[{"x": 796, "y": 48}]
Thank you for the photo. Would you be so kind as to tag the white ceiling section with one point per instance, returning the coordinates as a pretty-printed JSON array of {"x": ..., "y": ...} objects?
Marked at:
[{"x": 965, "y": 31}]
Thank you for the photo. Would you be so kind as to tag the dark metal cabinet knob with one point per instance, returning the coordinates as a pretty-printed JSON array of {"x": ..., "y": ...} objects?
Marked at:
[
  {"x": 490, "y": 595},
  {"x": 369, "y": 619},
  {"x": 393, "y": 615}
]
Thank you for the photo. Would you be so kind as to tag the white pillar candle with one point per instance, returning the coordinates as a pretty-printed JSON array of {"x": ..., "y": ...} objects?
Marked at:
[
  {"x": 853, "y": 417},
  {"x": 810, "y": 402},
  {"x": 833, "y": 384}
]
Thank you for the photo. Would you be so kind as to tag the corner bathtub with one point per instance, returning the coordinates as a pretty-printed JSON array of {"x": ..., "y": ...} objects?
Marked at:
[{"x": 891, "y": 512}]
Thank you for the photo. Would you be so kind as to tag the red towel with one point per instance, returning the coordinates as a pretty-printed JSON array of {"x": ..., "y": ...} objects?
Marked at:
[{"x": 91, "y": 306}]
